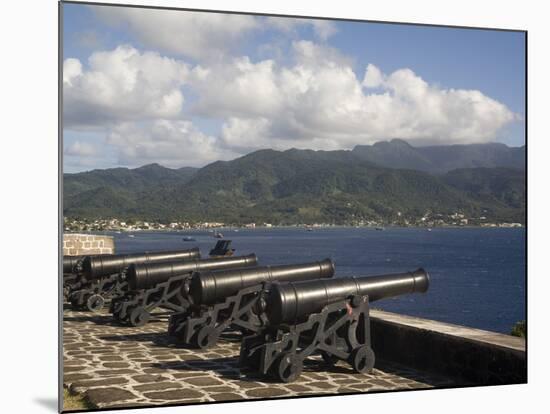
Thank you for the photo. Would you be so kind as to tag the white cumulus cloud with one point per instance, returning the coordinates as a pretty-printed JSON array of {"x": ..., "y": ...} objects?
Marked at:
[
  {"x": 120, "y": 85},
  {"x": 135, "y": 99},
  {"x": 202, "y": 35},
  {"x": 197, "y": 35},
  {"x": 171, "y": 143},
  {"x": 318, "y": 102},
  {"x": 81, "y": 149},
  {"x": 323, "y": 29}
]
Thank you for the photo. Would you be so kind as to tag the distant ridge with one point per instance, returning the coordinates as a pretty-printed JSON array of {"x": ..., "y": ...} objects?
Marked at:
[
  {"x": 439, "y": 159},
  {"x": 300, "y": 186}
]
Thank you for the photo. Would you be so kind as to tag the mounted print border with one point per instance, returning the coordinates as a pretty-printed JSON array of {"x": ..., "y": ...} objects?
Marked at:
[{"x": 260, "y": 206}]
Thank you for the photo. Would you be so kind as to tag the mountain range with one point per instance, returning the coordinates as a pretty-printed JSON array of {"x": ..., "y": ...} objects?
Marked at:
[{"x": 378, "y": 182}]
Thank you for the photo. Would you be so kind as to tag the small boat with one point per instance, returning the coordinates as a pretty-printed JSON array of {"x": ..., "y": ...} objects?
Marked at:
[
  {"x": 131, "y": 235},
  {"x": 218, "y": 235},
  {"x": 379, "y": 228},
  {"x": 429, "y": 229},
  {"x": 188, "y": 239}
]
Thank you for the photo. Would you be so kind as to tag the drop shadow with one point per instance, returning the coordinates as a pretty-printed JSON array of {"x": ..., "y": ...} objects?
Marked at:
[
  {"x": 51, "y": 404},
  {"x": 105, "y": 320},
  {"x": 162, "y": 339},
  {"x": 228, "y": 368},
  {"x": 108, "y": 319},
  {"x": 429, "y": 378}
]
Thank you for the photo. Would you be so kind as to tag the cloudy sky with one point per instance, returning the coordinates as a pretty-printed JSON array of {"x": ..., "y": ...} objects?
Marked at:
[{"x": 185, "y": 88}]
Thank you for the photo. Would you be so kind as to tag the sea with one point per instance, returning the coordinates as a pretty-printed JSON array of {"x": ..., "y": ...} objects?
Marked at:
[{"x": 477, "y": 275}]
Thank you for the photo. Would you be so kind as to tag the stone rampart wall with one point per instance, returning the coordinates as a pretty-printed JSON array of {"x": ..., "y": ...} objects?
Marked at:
[
  {"x": 85, "y": 244},
  {"x": 475, "y": 355}
]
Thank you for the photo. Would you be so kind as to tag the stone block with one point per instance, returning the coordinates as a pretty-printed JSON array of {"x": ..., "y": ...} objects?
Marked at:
[
  {"x": 226, "y": 396},
  {"x": 267, "y": 392},
  {"x": 116, "y": 365},
  {"x": 148, "y": 378},
  {"x": 70, "y": 378},
  {"x": 91, "y": 383},
  {"x": 157, "y": 386},
  {"x": 102, "y": 396},
  {"x": 320, "y": 384},
  {"x": 173, "y": 394},
  {"x": 83, "y": 244},
  {"x": 204, "y": 381}
]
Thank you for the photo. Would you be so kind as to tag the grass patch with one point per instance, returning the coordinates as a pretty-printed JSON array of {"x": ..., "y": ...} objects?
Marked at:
[
  {"x": 74, "y": 401},
  {"x": 519, "y": 329}
]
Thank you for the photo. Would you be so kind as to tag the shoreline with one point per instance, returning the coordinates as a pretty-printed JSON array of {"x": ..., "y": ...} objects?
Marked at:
[{"x": 297, "y": 227}]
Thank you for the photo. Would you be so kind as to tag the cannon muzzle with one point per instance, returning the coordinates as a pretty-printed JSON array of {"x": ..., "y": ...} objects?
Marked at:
[
  {"x": 211, "y": 287},
  {"x": 293, "y": 302},
  {"x": 70, "y": 262},
  {"x": 147, "y": 275},
  {"x": 96, "y": 267}
]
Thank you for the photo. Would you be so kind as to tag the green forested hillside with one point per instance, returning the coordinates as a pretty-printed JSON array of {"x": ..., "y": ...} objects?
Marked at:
[{"x": 294, "y": 186}]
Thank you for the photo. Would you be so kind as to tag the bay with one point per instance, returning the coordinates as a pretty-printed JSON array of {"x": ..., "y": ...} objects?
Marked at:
[{"x": 477, "y": 274}]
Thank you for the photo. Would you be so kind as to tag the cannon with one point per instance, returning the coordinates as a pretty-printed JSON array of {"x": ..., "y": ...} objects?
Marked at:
[
  {"x": 96, "y": 267},
  {"x": 72, "y": 269},
  {"x": 164, "y": 285},
  {"x": 327, "y": 317},
  {"x": 70, "y": 263},
  {"x": 99, "y": 276},
  {"x": 234, "y": 299},
  {"x": 70, "y": 276}
]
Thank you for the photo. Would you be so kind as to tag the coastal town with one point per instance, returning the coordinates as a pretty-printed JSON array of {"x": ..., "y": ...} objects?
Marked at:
[{"x": 456, "y": 219}]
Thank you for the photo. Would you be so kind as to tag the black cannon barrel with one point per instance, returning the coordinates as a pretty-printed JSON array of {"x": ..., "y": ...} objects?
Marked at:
[
  {"x": 147, "y": 275},
  {"x": 210, "y": 287},
  {"x": 69, "y": 263},
  {"x": 95, "y": 267},
  {"x": 292, "y": 302}
]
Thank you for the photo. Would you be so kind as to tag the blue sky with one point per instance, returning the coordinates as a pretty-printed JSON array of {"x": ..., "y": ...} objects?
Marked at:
[{"x": 181, "y": 88}]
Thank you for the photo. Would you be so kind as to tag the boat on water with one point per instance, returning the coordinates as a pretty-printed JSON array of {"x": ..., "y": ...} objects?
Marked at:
[
  {"x": 131, "y": 235},
  {"x": 379, "y": 228},
  {"x": 188, "y": 239},
  {"x": 218, "y": 235}
]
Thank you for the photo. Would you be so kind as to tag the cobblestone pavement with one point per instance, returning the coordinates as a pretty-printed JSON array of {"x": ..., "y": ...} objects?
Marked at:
[{"x": 118, "y": 366}]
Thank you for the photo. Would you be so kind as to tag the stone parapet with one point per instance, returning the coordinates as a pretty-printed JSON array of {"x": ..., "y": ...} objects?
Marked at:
[
  {"x": 85, "y": 244},
  {"x": 475, "y": 355}
]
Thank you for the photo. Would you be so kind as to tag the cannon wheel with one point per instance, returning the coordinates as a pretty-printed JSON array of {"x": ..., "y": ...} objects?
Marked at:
[
  {"x": 362, "y": 359},
  {"x": 288, "y": 367},
  {"x": 95, "y": 303},
  {"x": 207, "y": 337},
  {"x": 139, "y": 316}
]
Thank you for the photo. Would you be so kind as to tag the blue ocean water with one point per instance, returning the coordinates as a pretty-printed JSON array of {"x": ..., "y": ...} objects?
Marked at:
[{"x": 477, "y": 274}]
